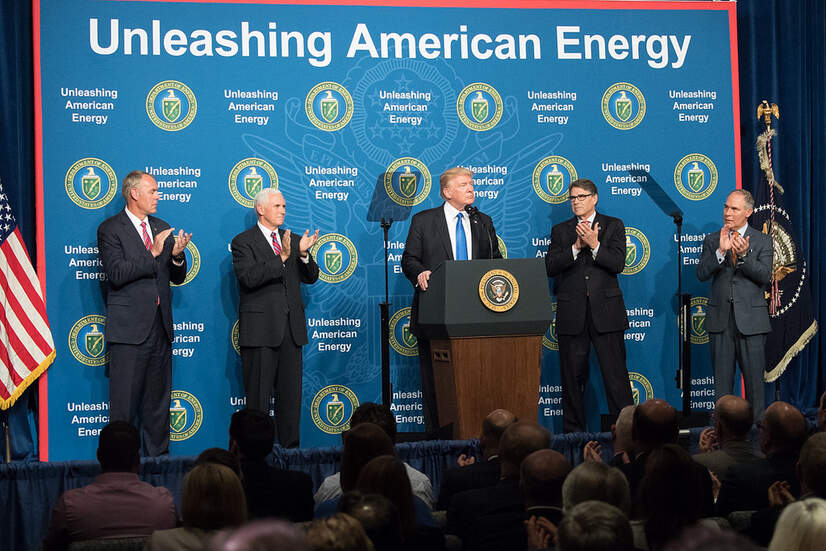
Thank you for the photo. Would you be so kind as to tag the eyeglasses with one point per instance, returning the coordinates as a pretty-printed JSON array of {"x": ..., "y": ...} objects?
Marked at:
[{"x": 575, "y": 198}]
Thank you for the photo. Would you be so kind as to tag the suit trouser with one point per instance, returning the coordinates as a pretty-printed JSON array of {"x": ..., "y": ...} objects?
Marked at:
[
  {"x": 574, "y": 351},
  {"x": 268, "y": 368},
  {"x": 428, "y": 385},
  {"x": 140, "y": 385},
  {"x": 748, "y": 351}
]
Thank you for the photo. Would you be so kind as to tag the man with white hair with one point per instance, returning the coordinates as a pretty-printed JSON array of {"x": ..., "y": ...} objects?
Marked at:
[{"x": 270, "y": 264}]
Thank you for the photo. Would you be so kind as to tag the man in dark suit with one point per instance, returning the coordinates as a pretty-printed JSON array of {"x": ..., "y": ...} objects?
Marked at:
[
  {"x": 270, "y": 491},
  {"x": 727, "y": 444},
  {"x": 140, "y": 258},
  {"x": 451, "y": 231},
  {"x": 739, "y": 259},
  {"x": 585, "y": 255},
  {"x": 270, "y": 264}
]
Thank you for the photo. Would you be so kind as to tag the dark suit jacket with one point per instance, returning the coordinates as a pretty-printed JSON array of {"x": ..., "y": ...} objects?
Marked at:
[
  {"x": 270, "y": 289},
  {"x": 481, "y": 474},
  {"x": 747, "y": 486},
  {"x": 585, "y": 275},
  {"x": 274, "y": 492},
  {"x": 135, "y": 280},
  {"x": 744, "y": 283},
  {"x": 733, "y": 452},
  {"x": 487, "y": 518},
  {"x": 428, "y": 245}
]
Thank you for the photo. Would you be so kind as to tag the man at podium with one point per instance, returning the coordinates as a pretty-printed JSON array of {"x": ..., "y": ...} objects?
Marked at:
[
  {"x": 585, "y": 255},
  {"x": 454, "y": 230}
]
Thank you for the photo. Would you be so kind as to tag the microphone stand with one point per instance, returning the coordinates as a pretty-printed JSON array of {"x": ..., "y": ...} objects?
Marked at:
[
  {"x": 386, "y": 388},
  {"x": 683, "y": 377},
  {"x": 473, "y": 214}
]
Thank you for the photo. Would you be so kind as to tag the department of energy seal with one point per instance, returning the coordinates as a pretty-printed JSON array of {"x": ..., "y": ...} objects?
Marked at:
[
  {"x": 86, "y": 341},
  {"x": 503, "y": 249},
  {"x": 695, "y": 176},
  {"x": 250, "y": 176},
  {"x": 498, "y": 290},
  {"x": 193, "y": 262},
  {"x": 697, "y": 320},
  {"x": 623, "y": 106},
  {"x": 401, "y": 339},
  {"x": 329, "y": 106},
  {"x": 171, "y": 105},
  {"x": 336, "y": 257},
  {"x": 234, "y": 337},
  {"x": 91, "y": 183},
  {"x": 332, "y": 407},
  {"x": 637, "y": 251},
  {"x": 407, "y": 181},
  {"x": 549, "y": 339},
  {"x": 185, "y": 415},
  {"x": 641, "y": 389},
  {"x": 551, "y": 178},
  {"x": 479, "y": 106}
]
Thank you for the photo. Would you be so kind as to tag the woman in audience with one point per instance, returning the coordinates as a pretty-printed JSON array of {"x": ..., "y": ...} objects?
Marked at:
[
  {"x": 339, "y": 532},
  {"x": 801, "y": 527},
  {"x": 213, "y": 498}
]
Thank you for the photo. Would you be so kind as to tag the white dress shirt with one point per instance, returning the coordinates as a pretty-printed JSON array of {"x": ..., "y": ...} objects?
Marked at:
[{"x": 590, "y": 221}]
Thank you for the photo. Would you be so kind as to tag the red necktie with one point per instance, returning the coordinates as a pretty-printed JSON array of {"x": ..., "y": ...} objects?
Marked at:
[
  {"x": 275, "y": 246},
  {"x": 146, "y": 240}
]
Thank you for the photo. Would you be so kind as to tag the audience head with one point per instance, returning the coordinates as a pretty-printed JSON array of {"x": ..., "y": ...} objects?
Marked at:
[
  {"x": 339, "y": 532},
  {"x": 492, "y": 428},
  {"x": 623, "y": 439},
  {"x": 704, "y": 538},
  {"x": 378, "y": 414},
  {"x": 801, "y": 527},
  {"x": 812, "y": 465},
  {"x": 593, "y": 480},
  {"x": 595, "y": 526},
  {"x": 261, "y": 535},
  {"x": 213, "y": 498},
  {"x": 377, "y": 515},
  {"x": 387, "y": 476},
  {"x": 656, "y": 423},
  {"x": 119, "y": 448},
  {"x": 782, "y": 429},
  {"x": 733, "y": 418},
  {"x": 361, "y": 444},
  {"x": 541, "y": 477},
  {"x": 221, "y": 457},
  {"x": 251, "y": 434},
  {"x": 821, "y": 412},
  {"x": 519, "y": 441}
]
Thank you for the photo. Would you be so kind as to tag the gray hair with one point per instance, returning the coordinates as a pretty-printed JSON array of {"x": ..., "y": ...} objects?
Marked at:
[
  {"x": 802, "y": 526},
  {"x": 748, "y": 198},
  {"x": 131, "y": 181},
  {"x": 593, "y": 480},
  {"x": 262, "y": 195}
]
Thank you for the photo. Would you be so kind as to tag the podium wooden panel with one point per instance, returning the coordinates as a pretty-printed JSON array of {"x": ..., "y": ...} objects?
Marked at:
[{"x": 475, "y": 375}]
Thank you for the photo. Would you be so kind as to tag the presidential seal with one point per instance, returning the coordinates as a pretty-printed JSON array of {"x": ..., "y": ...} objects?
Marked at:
[
  {"x": 234, "y": 338},
  {"x": 695, "y": 176},
  {"x": 407, "y": 181},
  {"x": 479, "y": 106},
  {"x": 551, "y": 178},
  {"x": 623, "y": 106},
  {"x": 336, "y": 257},
  {"x": 329, "y": 106},
  {"x": 332, "y": 408},
  {"x": 250, "y": 176},
  {"x": 401, "y": 339},
  {"x": 171, "y": 105},
  {"x": 498, "y": 290},
  {"x": 193, "y": 261},
  {"x": 637, "y": 251},
  {"x": 91, "y": 183},
  {"x": 641, "y": 389},
  {"x": 185, "y": 415},
  {"x": 86, "y": 340},
  {"x": 697, "y": 320},
  {"x": 550, "y": 339}
]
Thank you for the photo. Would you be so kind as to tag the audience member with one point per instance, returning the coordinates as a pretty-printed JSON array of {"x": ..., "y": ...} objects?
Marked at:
[
  {"x": 213, "y": 499},
  {"x": 117, "y": 503},
  {"x": 270, "y": 491},
  {"x": 821, "y": 413},
  {"x": 801, "y": 527},
  {"x": 377, "y": 515},
  {"x": 220, "y": 456},
  {"x": 592, "y": 481},
  {"x": 727, "y": 443},
  {"x": 261, "y": 535},
  {"x": 339, "y": 532},
  {"x": 782, "y": 431},
  {"x": 595, "y": 526},
  {"x": 470, "y": 473},
  {"x": 379, "y": 415},
  {"x": 621, "y": 438},
  {"x": 701, "y": 537},
  {"x": 542, "y": 474}
]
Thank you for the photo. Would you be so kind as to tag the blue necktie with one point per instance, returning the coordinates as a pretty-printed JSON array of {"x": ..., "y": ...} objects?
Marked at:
[{"x": 461, "y": 240}]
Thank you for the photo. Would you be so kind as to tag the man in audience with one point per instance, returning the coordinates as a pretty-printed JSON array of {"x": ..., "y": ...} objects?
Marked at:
[
  {"x": 727, "y": 443},
  {"x": 541, "y": 477},
  {"x": 595, "y": 526},
  {"x": 593, "y": 480},
  {"x": 472, "y": 515},
  {"x": 472, "y": 474},
  {"x": 782, "y": 431},
  {"x": 377, "y": 515},
  {"x": 380, "y": 415},
  {"x": 655, "y": 424},
  {"x": 117, "y": 503},
  {"x": 270, "y": 491},
  {"x": 620, "y": 435}
]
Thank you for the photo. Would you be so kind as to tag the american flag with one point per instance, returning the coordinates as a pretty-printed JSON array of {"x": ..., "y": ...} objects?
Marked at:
[{"x": 26, "y": 345}]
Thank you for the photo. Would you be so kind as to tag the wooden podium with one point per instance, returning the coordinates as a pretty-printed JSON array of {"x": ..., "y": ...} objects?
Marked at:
[{"x": 485, "y": 320}]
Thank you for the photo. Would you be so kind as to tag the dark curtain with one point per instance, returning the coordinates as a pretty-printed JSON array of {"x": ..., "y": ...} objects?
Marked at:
[{"x": 782, "y": 47}]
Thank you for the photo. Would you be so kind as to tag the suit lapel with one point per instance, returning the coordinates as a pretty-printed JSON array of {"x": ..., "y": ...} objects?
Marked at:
[
  {"x": 477, "y": 238},
  {"x": 132, "y": 236},
  {"x": 442, "y": 231}
]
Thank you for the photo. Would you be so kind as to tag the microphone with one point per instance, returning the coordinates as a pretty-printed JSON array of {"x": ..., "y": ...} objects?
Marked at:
[{"x": 473, "y": 215}]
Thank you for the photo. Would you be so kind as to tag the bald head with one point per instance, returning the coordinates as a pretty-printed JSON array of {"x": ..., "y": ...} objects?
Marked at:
[
  {"x": 734, "y": 418},
  {"x": 519, "y": 441},
  {"x": 783, "y": 428},
  {"x": 492, "y": 428},
  {"x": 541, "y": 477},
  {"x": 656, "y": 423}
]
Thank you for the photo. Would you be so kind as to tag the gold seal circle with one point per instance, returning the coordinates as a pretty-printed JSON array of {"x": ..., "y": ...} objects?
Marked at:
[{"x": 506, "y": 303}]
